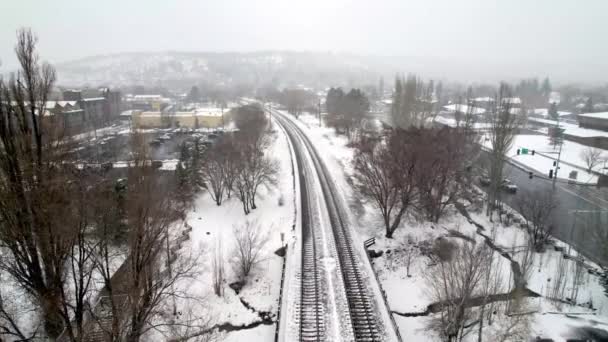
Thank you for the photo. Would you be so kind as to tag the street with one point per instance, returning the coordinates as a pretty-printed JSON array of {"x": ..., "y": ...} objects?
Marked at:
[{"x": 581, "y": 210}]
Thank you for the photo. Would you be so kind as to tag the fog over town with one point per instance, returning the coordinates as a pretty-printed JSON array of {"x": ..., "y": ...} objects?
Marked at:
[{"x": 322, "y": 170}]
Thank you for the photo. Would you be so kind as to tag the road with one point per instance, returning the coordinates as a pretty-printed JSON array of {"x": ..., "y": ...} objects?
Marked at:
[
  {"x": 581, "y": 210},
  {"x": 336, "y": 302}
]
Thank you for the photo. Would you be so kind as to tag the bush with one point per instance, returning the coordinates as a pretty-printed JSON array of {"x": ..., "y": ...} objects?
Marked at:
[{"x": 444, "y": 249}]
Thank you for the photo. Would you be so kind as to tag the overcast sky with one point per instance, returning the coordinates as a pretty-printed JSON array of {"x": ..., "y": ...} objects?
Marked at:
[{"x": 560, "y": 35}]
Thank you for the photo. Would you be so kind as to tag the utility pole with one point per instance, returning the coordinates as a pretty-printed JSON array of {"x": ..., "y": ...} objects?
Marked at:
[
  {"x": 222, "y": 107},
  {"x": 559, "y": 154},
  {"x": 319, "y": 112}
]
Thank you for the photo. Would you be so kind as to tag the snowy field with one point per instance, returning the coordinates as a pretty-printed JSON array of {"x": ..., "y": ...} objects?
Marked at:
[
  {"x": 213, "y": 226},
  {"x": 545, "y": 317}
]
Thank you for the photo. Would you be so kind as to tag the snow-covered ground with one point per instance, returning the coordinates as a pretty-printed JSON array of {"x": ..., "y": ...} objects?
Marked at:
[
  {"x": 545, "y": 317},
  {"x": 571, "y": 154},
  {"x": 212, "y": 225},
  {"x": 571, "y": 129}
]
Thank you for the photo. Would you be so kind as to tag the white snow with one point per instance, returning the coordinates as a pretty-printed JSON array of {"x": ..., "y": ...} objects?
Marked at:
[
  {"x": 211, "y": 223},
  {"x": 462, "y": 108},
  {"x": 571, "y": 153},
  {"x": 407, "y": 294},
  {"x": 572, "y": 129}
]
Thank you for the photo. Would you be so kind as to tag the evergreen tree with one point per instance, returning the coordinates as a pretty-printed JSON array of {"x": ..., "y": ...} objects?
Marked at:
[
  {"x": 553, "y": 111},
  {"x": 194, "y": 95},
  {"x": 397, "y": 97},
  {"x": 588, "y": 108},
  {"x": 556, "y": 136},
  {"x": 546, "y": 88}
]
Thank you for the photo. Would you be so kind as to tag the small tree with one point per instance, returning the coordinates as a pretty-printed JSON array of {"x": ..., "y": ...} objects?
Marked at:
[
  {"x": 249, "y": 242},
  {"x": 453, "y": 284},
  {"x": 536, "y": 206},
  {"x": 502, "y": 130},
  {"x": 217, "y": 270},
  {"x": 556, "y": 136},
  {"x": 592, "y": 157},
  {"x": 553, "y": 114}
]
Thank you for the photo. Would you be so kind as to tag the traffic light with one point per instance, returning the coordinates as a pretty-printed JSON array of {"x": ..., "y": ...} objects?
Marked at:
[
  {"x": 555, "y": 163},
  {"x": 530, "y": 175},
  {"x": 517, "y": 151},
  {"x": 533, "y": 152},
  {"x": 550, "y": 173}
]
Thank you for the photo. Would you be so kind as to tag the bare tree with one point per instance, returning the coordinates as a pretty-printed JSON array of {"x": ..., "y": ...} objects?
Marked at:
[
  {"x": 217, "y": 270},
  {"x": 214, "y": 171},
  {"x": 249, "y": 242},
  {"x": 454, "y": 284},
  {"x": 536, "y": 207},
  {"x": 592, "y": 157},
  {"x": 503, "y": 125},
  {"x": 409, "y": 246},
  {"x": 37, "y": 220},
  {"x": 135, "y": 296},
  {"x": 382, "y": 176}
]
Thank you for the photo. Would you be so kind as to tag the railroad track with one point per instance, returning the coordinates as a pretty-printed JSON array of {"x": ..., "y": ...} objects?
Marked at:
[
  {"x": 360, "y": 305},
  {"x": 311, "y": 308}
]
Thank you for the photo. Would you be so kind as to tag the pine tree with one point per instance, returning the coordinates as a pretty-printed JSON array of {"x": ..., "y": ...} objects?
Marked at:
[
  {"x": 546, "y": 88},
  {"x": 553, "y": 111},
  {"x": 397, "y": 97},
  {"x": 556, "y": 136},
  {"x": 588, "y": 108}
]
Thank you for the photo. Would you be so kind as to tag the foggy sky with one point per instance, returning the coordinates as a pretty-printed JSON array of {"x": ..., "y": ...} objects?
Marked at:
[{"x": 566, "y": 38}]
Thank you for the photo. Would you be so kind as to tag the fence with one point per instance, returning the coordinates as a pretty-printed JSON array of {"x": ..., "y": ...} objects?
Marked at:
[
  {"x": 276, "y": 332},
  {"x": 388, "y": 307}
]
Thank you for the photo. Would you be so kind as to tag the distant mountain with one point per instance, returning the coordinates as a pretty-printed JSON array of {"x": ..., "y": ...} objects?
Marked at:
[
  {"x": 284, "y": 68},
  {"x": 187, "y": 68}
]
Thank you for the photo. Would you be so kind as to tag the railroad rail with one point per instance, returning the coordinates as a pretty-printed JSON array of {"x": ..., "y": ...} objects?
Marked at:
[{"x": 360, "y": 305}]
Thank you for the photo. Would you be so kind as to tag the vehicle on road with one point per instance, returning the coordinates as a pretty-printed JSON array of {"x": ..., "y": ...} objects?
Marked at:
[
  {"x": 508, "y": 186},
  {"x": 484, "y": 181}
]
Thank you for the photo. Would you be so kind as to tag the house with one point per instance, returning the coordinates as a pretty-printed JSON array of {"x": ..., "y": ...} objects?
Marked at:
[{"x": 594, "y": 120}]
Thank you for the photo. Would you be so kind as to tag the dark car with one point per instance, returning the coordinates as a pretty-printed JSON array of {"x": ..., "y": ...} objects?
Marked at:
[
  {"x": 484, "y": 181},
  {"x": 509, "y": 187}
]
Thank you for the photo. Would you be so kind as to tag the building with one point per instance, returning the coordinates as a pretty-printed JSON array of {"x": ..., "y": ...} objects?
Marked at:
[
  {"x": 70, "y": 114},
  {"x": 153, "y": 103},
  {"x": 594, "y": 120},
  {"x": 200, "y": 118},
  {"x": 98, "y": 110}
]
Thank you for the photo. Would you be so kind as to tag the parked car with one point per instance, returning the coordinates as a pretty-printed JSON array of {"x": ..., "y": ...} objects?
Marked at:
[
  {"x": 484, "y": 181},
  {"x": 507, "y": 186}
]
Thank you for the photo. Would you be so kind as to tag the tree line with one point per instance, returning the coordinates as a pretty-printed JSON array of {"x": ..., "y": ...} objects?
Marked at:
[{"x": 66, "y": 227}]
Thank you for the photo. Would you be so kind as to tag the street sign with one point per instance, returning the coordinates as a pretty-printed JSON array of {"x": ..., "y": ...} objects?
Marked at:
[{"x": 524, "y": 150}]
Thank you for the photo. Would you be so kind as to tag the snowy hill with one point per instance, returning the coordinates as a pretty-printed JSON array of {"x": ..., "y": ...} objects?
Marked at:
[{"x": 185, "y": 67}]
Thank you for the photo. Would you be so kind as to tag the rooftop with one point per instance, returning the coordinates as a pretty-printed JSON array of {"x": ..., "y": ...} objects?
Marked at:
[
  {"x": 602, "y": 115},
  {"x": 462, "y": 108}
]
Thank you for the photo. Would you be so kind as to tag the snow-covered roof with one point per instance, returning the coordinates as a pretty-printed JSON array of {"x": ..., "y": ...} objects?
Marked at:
[
  {"x": 462, "y": 108},
  {"x": 572, "y": 129},
  {"x": 209, "y": 111},
  {"x": 512, "y": 100},
  {"x": 484, "y": 99},
  {"x": 91, "y": 99},
  {"x": 147, "y": 97},
  {"x": 53, "y": 104},
  {"x": 545, "y": 112},
  {"x": 602, "y": 115}
]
